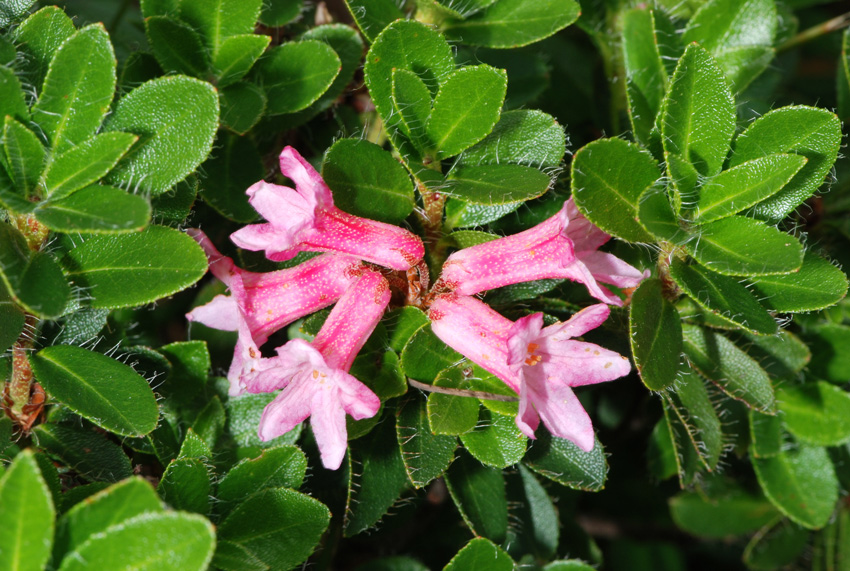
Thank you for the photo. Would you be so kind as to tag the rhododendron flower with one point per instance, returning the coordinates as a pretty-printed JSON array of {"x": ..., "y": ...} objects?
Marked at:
[
  {"x": 563, "y": 246},
  {"x": 261, "y": 303},
  {"x": 314, "y": 376},
  {"x": 542, "y": 364},
  {"x": 307, "y": 220}
]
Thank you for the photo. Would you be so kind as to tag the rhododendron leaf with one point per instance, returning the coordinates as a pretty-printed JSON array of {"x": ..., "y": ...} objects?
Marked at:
[
  {"x": 562, "y": 461},
  {"x": 347, "y": 44},
  {"x": 818, "y": 413},
  {"x": 817, "y": 285},
  {"x": 174, "y": 139},
  {"x": 24, "y": 156},
  {"x": 691, "y": 403},
  {"x": 496, "y": 184},
  {"x": 778, "y": 544},
  {"x": 95, "y": 209},
  {"x": 78, "y": 88},
  {"x": 296, "y": 74},
  {"x": 413, "y": 100},
  {"x": 424, "y": 355},
  {"x": 495, "y": 441},
  {"x": 655, "y": 332},
  {"x": 661, "y": 451},
  {"x": 801, "y": 483},
  {"x": 12, "y": 96},
  {"x": 541, "y": 534},
  {"x": 91, "y": 455},
  {"x": 133, "y": 269},
  {"x": 372, "y": 16},
  {"x": 656, "y": 215},
  {"x": 278, "y": 467},
  {"x": 177, "y": 46},
  {"x": 220, "y": 19},
  {"x": 367, "y": 181},
  {"x": 12, "y": 10},
  {"x": 402, "y": 324},
  {"x": 646, "y": 78},
  {"x": 235, "y": 164},
  {"x": 807, "y": 131},
  {"x": 11, "y": 320},
  {"x": 524, "y": 137},
  {"x": 698, "y": 117},
  {"x": 686, "y": 458},
  {"x": 194, "y": 447},
  {"x": 479, "y": 494},
  {"x": 608, "y": 178},
  {"x": 480, "y": 554},
  {"x": 185, "y": 485},
  {"x": 279, "y": 12},
  {"x": 209, "y": 424},
  {"x": 26, "y": 514},
  {"x": 469, "y": 238},
  {"x": 243, "y": 416},
  {"x": 458, "y": 10},
  {"x": 781, "y": 355},
  {"x": 86, "y": 163},
  {"x": 843, "y": 79},
  {"x": 460, "y": 214},
  {"x": 426, "y": 455},
  {"x": 38, "y": 38},
  {"x": 513, "y": 23},
  {"x": 735, "y": 513},
  {"x": 242, "y": 106},
  {"x": 236, "y": 55},
  {"x": 829, "y": 360},
  {"x": 452, "y": 414},
  {"x": 766, "y": 434},
  {"x": 724, "y": 364},
  {"x": 568, "y": 565}
]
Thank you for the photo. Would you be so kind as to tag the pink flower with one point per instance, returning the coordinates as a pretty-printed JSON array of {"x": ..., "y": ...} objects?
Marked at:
[
  {"x": 314, "y": 376},
  {"x": 541, "y": 364},
  {"x": 563, "y": 246},
  {"x": 307, "y": 220},
  {"x": 261, "y": 303}
]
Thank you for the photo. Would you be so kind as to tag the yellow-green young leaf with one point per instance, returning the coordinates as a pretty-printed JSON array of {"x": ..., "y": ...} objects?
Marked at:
[
  {"x": 12, "y": 95},
  {"x": 95, "y": 209},
  {"x": 690, "y": 402},
  {"x": 466, "y": 108},
  {"x": 217, "y": 20},
  {"x": 426, "y": 454},
  {"x": 776, "y": 545},
  {"x": 524, "y": 137},
  {"x": 24, "y": 156},
  {"x": 801, "y": 483},
  {"x": 242, "y": 106},
  {"x": 86, "y": 451},
  {"x": 655, "y": 331},
  {"x": 185, "y": 486},
  {"x": 38, "y": 38},
  {"x": 480, "y": 554},
  {"x": 698, "y": 116},
  {"x": 564, "y": 462},
  {"x": 78, "y": 88},
  {"x": 26, "y": 516},
  {"x": 109, "y": 393},
  {"x": 235, "y": 165},
  {"x": 735, "y": 513},
  {"x": 818, "y": 413},
  {"x": 177, "y": 46},
  {"x": 608, "y": 178},
  {"x": 174, "y": 139},
  {"x": 479, "y": 494},
  {"x": 724, "y": 364},
  {"x": 132, "y": 269},
  {"x": 236, "y": 56},
  {"x": 413, "y": 100},
  {"x": 296, "y": 74},
  {"x": 645, "y": 74},
  {"x": 276, "y": 13},
  {"x": 817, "y": 285},
  {"x": 513, "y": 23},
  {"x": 86, "y": 163},
  {"x": 495, "y": 441},
  {"x": 494, "y": 185}
]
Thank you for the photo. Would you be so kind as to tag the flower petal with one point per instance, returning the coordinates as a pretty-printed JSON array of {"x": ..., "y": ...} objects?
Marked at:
[
  {"x": 287, "y": 410},
  {"x": 560, "y": 410},
  {"x": 328, "y": 423},
  {"x": 357, "y": 399},
  {"x": 222, "y": 312},
  {"x": 308, "y": 182},
  {"x": 610, "y": 269}
]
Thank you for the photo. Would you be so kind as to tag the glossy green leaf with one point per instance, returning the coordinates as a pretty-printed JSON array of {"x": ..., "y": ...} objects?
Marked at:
[
  {"x": 782, "y": 355},
  {"x": 656, "y": 215},
  {"x": 26, "y": 516},
  {"x": 469, "y": 238},
  {"x": 220, "y": 19},
  {"x": 608, "y": 178},
  {"x": 524, "y": 137},
  {"x": 480, "y": 554},
  {"x": 426, "y": 455},
  {"x": 24, "y": 156},
  {"x": 236, "y": 56},
  {"x": 479, "y": 494},
  {"x": 243, "y": 416},
  {"x": 348, "y": 45},
  {"x": 13, "y": 10},
  {"x": 372, "y": 16},
  {"x": 691, "y": 403},
  {"x": 174, "y": 139},
  {"x": 185, "y": 485},
  {"x": 412, "y": 98},
  {"x": 843, "y": 79},
  {"x": 296, "y": 74},
  {"x": 466, "y": 108},
  {"x": 278, "y": 467},
  {"x": 460, "y": 214},
  {"x": 12, "y": 96},
  {"x": 279, "y": 12},
  {"x": 12, "y": 321},
  {"x": 177, "y": 46},
  {"x": 685, "y": 179},
  {"x": 724, "y": 364},
  {"x": 95, "y": 209},
  {"x": 744, "y": 185},
  {"x": 78, "y": 88},
  {"x": 801, "y": 483},
  {"x": 86, "y": 163},
  {"x": 645, "y": 74},
  {"x": 686, "y": 461},
  {"x": 242, "y": 106},
  {"x": 367, "y": 181},
  {"x": 133, "y": 269},
  {"x": 655, "y": 332},
  {"x": 402, "y": 324},
  {"x": 194, "y": 447},
  {"x": 766, "y": 434},
  {"x": 496, "y": 184},
  {"x": 88, "y": 453},
  {"x": 496, "y": 441},
  {"x": 568, "y": 565},
  {"x": 776, "y": 545},
  {"x": 807, "y": 131},
  {"x": 817, "y": 285},
  {"x": 513, "y": 23},
  {"x": 234, "y": 166},
  {"x": 830, "y": 360},
  {"x": 33, "y": 279},
  {"x": 723, "y": 296},
  {"x": 452, "y": 414},
  {"x": 148, "y": 542},
  {"x": 735, "y": 513},
  {"x": 564, "y": 462},
  {"x": 39, "y": 38},
  {"x": 818, "y": 413},
  {"x": 190, "y": 366},
  {"x": 424, "y": 355},
  {"x": 109, "y": 393},
  {"x": 698, "y": 117}
]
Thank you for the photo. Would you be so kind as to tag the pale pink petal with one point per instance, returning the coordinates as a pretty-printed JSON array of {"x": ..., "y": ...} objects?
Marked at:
[
  {"x": 282, "y": 207},
  {"x": 328, "y": 423},
  {"x": 576, "y": 363},
  {"x": 290, "y": 408},
  {"x": 584, "y": 234},
  {"x": 578, "y": 272},
  {"x": 357, "y": 399},
  {"x": 588, "y": 318},
  {"x": 523, "y": 335},
  {"x": 221, "y": 266},
  {"x": 265, "y": 237},
  {"x": 308, "y": 182},
  {"x": 527, "y": 419},
  {"x": 561, "y": 411},
  {"x": 222, "y": 312},
  {"x": 610, "y": 269}
]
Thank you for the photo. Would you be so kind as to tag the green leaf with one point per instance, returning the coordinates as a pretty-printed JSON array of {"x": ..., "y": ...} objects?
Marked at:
[
  {"x": 209, "y": 424},
  {"x": 190, "y": 365},
  {"x": 568, "y": 565},
  {"x": 736, "y": 513},
  {"x": 347, "y": 44},
  {"x": 132, "y": 269},
  {"x": 801, "y": 483},
  {"x": 738, "y": 34},
  {"x": 12, "y": 95},
  {"x": 479, "y": 494},
  {"x": 723, "y": 296},
  {"x": 721, "y": 362},
  {"x": 174, "y": 139},
  {"x": 469, "y": 238},
  {"x": 830, "y": 360},
  {"x": 646, "y": 78},
  {"x": 278, "y": 467},
  {"x": 744, "y": 185},
  {"x": 426, "y": 455},
  {"x": 39, "y": 38},
  {"x": 480, "y": 554},
  {"x": 817, "y": 413},
  {"x": 276, "y": 527},
  {"x": 766, "y": 434},
  {"x": 698, "y": 117},
  {"x": 412, "y": 98},
  {"x": 807, "y": 131},
  {"x": 496, "y": 441},
  {"x": 86, "y": 163},
  {"x": 194, "y": 447},
  {"x": 236, "y": 56},
  {"x": 24, "y": 156},
  {"x": 425, "y": 356},
  {"x": 843, "y": 79},
  {"x": 296, "y": 74},
  {"x": 13, "y": 10},
  {"x": 33, "y": 279},
  {"x": 514, "y": 23},
  {"x": 26, "y": 516},
  {"x": 496, "y": 184},
  {"x": 466, "y": 108},
  {"x": 782, "y": 355},
  {"x": 185, "y": 485},
  {"x": 85, "y": 451},
  {"x": 12, "y": 321},
  {"x": 741, "y": 246},
  {"x": 96, "y": 209},
  {"x": 402, "y": 324},
  {"x": 109, "y": 393},
  {"x": 524, "y": 137},
  {"x": 655, "y": 332},
  {"x": 776, "y": 545},
  {"x": 691, "y": 403},
  {"x": 457, "y": 10},
  {"x": 243, "y": 416},
  {"x": 608, "y": 178},
  {"x": 817, "y": 285},
  {"x": 656, "y": 215},
  {"x": 220, "y": 19},
  {"x": 235, "y": 165},
  {"x": 452, "y": 414},
  {"x": 276, "y": 13},
  {"x": 460, "y": 214},
  {"x": 367, "y": 181},
  {"x": 147, "y": 542},
  {"x": 78, "y": 88},
  {"x": 562, "y": 461},
  {"x": 242, "y": 106},
  {"x": 685, "y": 456},
  {"x": 540, "y": 531},
  {"x": 372, "y": 16},
  {"x": 177, "y": 46}
]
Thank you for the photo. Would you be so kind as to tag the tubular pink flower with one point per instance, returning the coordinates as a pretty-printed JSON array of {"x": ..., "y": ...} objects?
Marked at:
[
  {"x": 541, "y": 364},
  {"x": 563, "y": 246},
  {"x": 314, "y": 376},
  {"x": 307, "y": 220},
  {"x": 261, "y": 303}
]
